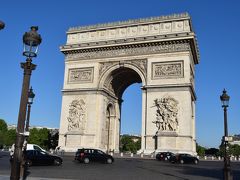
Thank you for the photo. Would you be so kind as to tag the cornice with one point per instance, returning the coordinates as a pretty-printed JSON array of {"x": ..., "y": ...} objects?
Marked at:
[{"x": 73, "y": 54}]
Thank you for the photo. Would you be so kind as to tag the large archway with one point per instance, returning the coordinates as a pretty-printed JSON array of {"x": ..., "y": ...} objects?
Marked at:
[
  {"x": 102, "y": 61},
  {"x": 115, "y": 80}
]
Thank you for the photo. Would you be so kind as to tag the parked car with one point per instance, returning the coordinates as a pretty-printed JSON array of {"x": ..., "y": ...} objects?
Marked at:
[
  {"x": 184, "y": 158},
  {"x": 90, "y": 155},
  {"x": 36, "y": 157},
  {"x": 164, "y": 156}
]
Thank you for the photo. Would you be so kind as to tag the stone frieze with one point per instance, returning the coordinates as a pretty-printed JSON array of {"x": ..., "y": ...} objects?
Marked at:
[{"x": 128, "y": 51}]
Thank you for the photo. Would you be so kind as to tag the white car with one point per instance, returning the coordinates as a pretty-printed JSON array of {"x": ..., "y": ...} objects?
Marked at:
[
  {"x": 29, "y": 147},
  {"x": 35, "y": 147}
]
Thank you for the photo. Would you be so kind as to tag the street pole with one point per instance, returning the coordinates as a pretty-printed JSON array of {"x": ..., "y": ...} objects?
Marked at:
[
  {"x": 28, "y": 117},
  {"x": 17, "y": 157},
  {"x": 227, "y": 167},
  {"x": 227, "y": 173},
  {"x": 31, "y": 41},
  {"x": 31, "y": 95}
]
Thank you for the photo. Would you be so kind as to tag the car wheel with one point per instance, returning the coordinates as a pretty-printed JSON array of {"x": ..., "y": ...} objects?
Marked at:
[
  {"x": 182, "y": 161},
  {"x": 86, "y": 160},
  {"x": 28, "y": 163},
  {"x": 57, "y": 162},
  {"x": 109, "y": 161},
  {"x": 195, "y": 161}
]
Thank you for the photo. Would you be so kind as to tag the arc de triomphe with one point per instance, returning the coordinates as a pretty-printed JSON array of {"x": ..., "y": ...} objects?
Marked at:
[{"x": 102, "y": 60}]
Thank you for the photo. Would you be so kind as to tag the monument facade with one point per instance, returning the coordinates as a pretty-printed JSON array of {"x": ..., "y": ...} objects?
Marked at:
[{"x": 102, "y": 60}]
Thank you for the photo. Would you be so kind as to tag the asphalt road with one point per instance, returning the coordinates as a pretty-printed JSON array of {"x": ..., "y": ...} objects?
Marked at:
[{"x": 124, "y": 169}]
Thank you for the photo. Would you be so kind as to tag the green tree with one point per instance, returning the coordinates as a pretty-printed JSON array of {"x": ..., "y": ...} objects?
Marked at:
[
  {"x": 128, "y": 145},
  {"x": 212, "y": 151},
  {"x": 39, "y": 137},
  {"x": 200, "y": 150},
  {"x": 3, "y": 131},
  {"x": 3, "y": 126},
  {"x": 10, "y": 137},
  {"x": 234, "y": 150}
]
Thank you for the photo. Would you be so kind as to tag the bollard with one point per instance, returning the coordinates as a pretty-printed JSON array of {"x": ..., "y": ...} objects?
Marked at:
[
  {"x": 205, "y": 157},
  {"x": 219, "y": 158},
  {"x": 141, "y": 155},
  {"x": 131, "y": 154},
  {"x": 121, "y": 154}
]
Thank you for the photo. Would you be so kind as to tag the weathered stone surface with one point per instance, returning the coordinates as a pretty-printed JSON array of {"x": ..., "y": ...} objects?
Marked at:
[{"x": 101, "y": 61}]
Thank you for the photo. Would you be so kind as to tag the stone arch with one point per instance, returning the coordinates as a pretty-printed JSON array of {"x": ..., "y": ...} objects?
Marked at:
[
  {"x": 110, "y": 122},
  {"x": 106, "y": 80}
]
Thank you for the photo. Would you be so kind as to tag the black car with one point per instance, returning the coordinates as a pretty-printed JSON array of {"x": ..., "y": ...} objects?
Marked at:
[
  {"x": 164, "y": 156},
  {"x": 36, "y": 157},
  {"x": 184, "y": 158},
  {"x": 90, "y": 155}
]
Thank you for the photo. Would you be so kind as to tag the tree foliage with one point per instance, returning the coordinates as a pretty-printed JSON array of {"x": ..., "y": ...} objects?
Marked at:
[
  {"x": 42, "y": 137},
  {"x": 7, "y": 137},
  {"x": 39, "y": 137},
  {"x": 200, "y": 150},
  {"x": 233, "y": 150},
  {"x": 3, "y": 126},
  {"x": 128, "y": 145}
]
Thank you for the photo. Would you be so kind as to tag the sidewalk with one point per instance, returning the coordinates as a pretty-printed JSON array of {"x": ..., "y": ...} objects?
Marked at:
[{"x": 5, "y": 177}]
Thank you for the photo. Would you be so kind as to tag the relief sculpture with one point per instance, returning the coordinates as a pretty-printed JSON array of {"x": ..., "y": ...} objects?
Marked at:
[
  {"x": 166, "y": 115},
  {"x": 77, "y": 115}
]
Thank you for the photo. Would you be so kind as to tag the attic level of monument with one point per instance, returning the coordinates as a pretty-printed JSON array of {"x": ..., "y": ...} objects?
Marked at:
[
  {"x": 102, "y": 60},
  {"x": 131, "y": 22},
  {"x": 169, "y": 33}
]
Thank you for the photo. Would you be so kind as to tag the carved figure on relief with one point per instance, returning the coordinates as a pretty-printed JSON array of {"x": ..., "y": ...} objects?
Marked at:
[
  {"x": 166, "y": 114},
  {"x": 77, "y": 113}
]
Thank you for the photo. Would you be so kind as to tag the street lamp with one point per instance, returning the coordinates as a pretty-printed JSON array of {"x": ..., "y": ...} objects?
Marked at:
[
  {"x": 31, "y": 95},
  {"x": 31, "y": 41},
  {"x": 227, "y": 168},
  {"x": 2, "y": 25}
]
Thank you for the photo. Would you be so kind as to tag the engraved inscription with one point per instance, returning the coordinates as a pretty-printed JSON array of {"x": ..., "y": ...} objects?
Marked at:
[
  {"x": 80, "y": 75},
  {"x": 167, "y": 70}
]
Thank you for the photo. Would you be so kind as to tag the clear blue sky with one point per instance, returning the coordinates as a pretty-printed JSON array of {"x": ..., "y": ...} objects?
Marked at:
[{"x": 216, "y": 23}]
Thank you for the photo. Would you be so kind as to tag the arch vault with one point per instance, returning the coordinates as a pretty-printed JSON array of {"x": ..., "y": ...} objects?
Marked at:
[{"x": 101, "y": 61}]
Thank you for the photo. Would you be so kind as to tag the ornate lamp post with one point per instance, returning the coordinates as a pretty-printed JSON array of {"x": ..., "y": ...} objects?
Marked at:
[
  {"x": 2, "y": 25},
  {"x": 31, "y": 95},
  {"x": 227, "y": 168},
  {"x": 31, "y": 42}
]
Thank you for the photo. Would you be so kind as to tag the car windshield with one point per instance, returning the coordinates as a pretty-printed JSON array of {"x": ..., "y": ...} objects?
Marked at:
[
  {"x": 37, "y": 148},
  {"x": 100, "y": 152}
]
